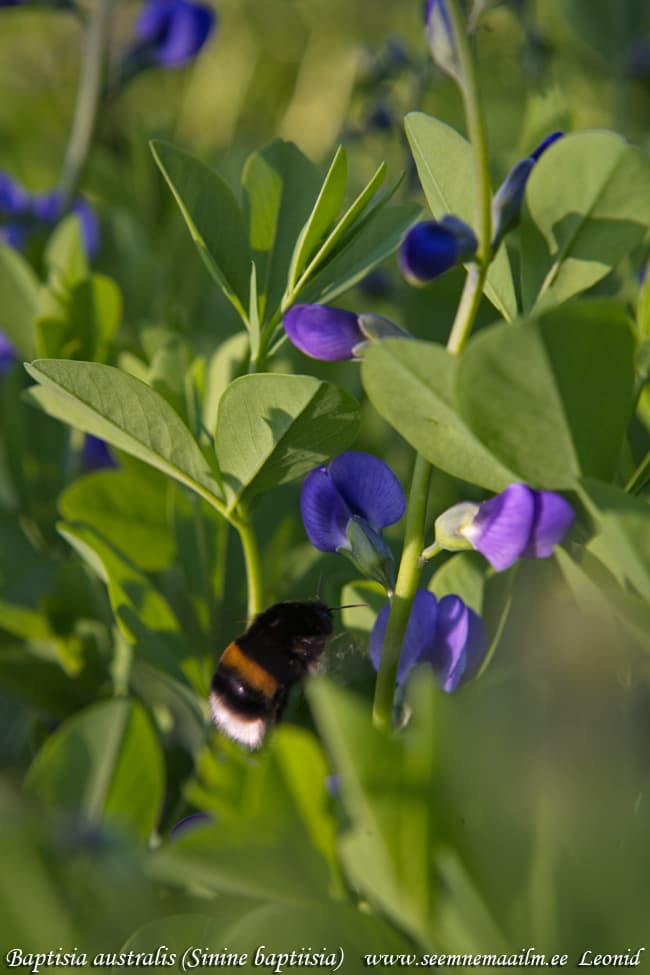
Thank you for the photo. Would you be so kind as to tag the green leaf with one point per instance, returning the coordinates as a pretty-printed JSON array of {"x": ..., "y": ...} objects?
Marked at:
[
  {"x": 386, "y": 786},
  {"x": 350, "y": 223},
  {"x": 221, "y": 369},
  {"x": 411, "y": 384},
  {"x": 321, "y": 217},
  {"x": 213, "y": 217},
  {"x": 534, "y": 395},
  {"x": 587, "y": 205},
  {"x": 444, "y": 162},
  {"x": 363, "y": 600},
  {"x": 129, "y": 509},
  {"x": 105, "y": 765},
  {"x": 461, "y": 575},
  {"x": 126, "y": 413},
  {"x": 65, "y": 255},
  {"x": 281, "y": 185},
  {"x": 142, "y": 613},
  {"x": 379, "y": 236},
  {"x": 275, "y": 836},
  {"x": 624, "y": 525},
  {"x": 273, "y": 429},
  {"x": 81, "y": 322},
  {"x": 19, "y": 290}
]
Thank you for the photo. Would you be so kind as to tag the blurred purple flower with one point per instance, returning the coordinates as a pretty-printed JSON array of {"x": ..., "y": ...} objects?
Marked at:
[
  {"x": 508, "y": 199},
  {"x": 518, "y": 523},
  {"x": 432, "y": 247},
  {"x": 7, "y": 354},
  {"x": 96, "y": 455},
  {"x": 170, "y": 33},
  {"x": 48, "y": 210},
  {"x": 346, "y": 505},
  {"x": 447, "y": 635},
  {"x": 22, "y": 215}
]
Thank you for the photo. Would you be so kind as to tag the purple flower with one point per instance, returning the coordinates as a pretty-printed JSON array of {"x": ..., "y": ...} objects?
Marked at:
[
  {"x": 95, "y": 455},
  {"x": 447, "y": 635},
  {"x": 48, "y": 209},
  {"x": 7, "y": 354},
  {"x": 14, "y": 211},
  {"x": 518, "y": 523},
  {"x": 508, "y": 199},
  {"x": 169, "y": 33},
  {"x": 330, "y": 334},
  {"x": 433, "y": 247},
  {"x": 346, "y": 505},
  {"x": 22, "y": 215}
]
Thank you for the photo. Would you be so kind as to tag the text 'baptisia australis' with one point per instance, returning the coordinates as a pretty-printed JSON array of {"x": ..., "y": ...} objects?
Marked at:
[
  {"x": 518, "y": 523},
  {"x": 446, "y": 634},
  {"x": 346, "y": 505}
]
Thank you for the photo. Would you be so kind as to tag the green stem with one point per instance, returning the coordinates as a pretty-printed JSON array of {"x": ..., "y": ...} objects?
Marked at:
[
  {"x": 476, "y": 132},
  {"x": 253, "y": 564},
  {"x": 88, "y": 97},
  {"x": 410, "y": 565},
  {"x": 405, "y": 589},
  {"x": 467, "y": 308}
]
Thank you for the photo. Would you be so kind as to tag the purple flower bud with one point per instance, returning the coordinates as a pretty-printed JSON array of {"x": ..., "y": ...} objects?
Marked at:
[
  {"x": 447, "y": 635},
  {"x": 14, "y": 212},
  {"x": 345, "y": 506},
  {"x": 433, "y": 247},
  {"x": 508, "y": 199},
  {"x": 170, "y": 33},
  {"x": 518, "y": 523},
  {"x": 330, "y": 334},
  {"x": 7, "y": 354},
  {"x": 48, "y": 209},
  {"x": 441, "y": 39}
]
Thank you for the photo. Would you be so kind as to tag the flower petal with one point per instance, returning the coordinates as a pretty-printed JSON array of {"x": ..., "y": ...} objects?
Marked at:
[
  {"x": 460, "y": 643},
  {"x": 502, "y": 527},
  {"x": 324, "y": 512},
  {"x": 552, "y": 519},
  {"x": 323, "y": 333},
  {"x": 368, "y": 487},
  {"x": 7, "y": 354},
  {"x": 419, "y": 640}
]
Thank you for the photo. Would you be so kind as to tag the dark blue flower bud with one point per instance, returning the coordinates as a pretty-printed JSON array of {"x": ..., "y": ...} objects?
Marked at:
[
  {"x": 321, "y": 332},
  {"x": 433, "y": 247},
  {"x": 96, "y": 455},
  {"x": 508, "y": 199}
]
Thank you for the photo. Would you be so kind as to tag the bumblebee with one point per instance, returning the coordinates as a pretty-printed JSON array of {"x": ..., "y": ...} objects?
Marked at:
[{"x": 257, "y": 670}]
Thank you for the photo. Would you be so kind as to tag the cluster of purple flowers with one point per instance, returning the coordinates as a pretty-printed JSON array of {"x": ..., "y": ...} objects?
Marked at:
[
  {"x": 23, "y": 215},
  {"x": 346, "y": 505}
]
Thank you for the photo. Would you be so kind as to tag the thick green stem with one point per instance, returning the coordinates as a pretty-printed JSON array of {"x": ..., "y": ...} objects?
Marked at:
[
  {"x": 253, "y": 565},
  {"x": 88, "y": 97},
  {"x": 405, "y": 589},
  {"x": 467, "y": 308}
]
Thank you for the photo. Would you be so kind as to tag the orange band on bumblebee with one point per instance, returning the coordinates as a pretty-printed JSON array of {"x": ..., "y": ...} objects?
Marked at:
[{"x": 251, "y": 672}]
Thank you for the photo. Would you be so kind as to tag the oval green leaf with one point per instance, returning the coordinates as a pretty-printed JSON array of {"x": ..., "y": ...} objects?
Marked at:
[
  {"x": 125, "y": 412},
  {"x": 105, "y": 765},
  {"x": 272, "y": 429}
]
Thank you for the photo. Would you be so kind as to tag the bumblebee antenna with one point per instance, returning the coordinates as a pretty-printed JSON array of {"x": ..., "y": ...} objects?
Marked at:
[{"x": 334, "y": 609}]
